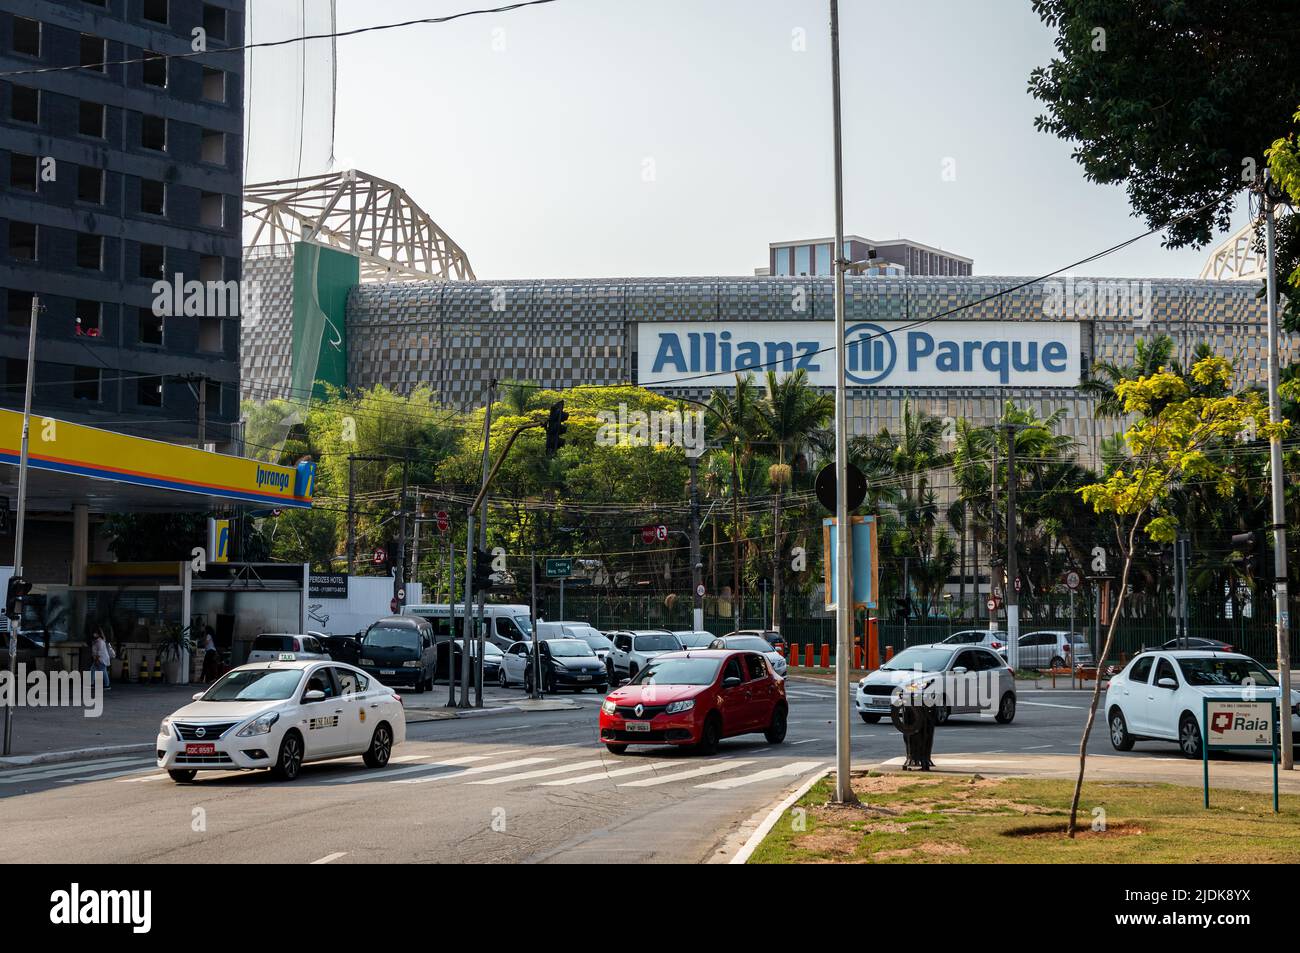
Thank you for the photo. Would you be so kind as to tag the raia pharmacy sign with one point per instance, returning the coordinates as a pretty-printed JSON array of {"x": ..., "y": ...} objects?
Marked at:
[{"x": 880, "y": 353}]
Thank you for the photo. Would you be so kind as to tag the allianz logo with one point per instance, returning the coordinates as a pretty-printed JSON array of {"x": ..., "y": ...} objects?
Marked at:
[{"x": 873, "y": 354}]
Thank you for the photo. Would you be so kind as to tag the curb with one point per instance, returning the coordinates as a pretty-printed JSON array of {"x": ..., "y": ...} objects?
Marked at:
[
  {"x": 76, "y": 754},
  {"x": 747, "y": 849}
]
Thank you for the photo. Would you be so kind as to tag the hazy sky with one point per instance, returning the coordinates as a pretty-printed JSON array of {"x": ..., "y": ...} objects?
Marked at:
[{"x": 594, "y": 138}]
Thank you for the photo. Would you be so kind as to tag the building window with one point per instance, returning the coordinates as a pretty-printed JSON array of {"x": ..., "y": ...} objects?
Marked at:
[
  {"x": 214, "y": 22},
  {"x": 802, "y": 259},
  {"x": 90, "y": 185},
  {"x": 153, "y": 197},
  {"x": 210, "y": 330},
  {"x": 89, "y": 315},
  {"x": 152, "y": 261},
  {"x": 213, "y": 148},
  {"x": 93, "y": 52},
  {"x": 211, "y": 268},
  {"x": 212, "y": 211},
  {"x": 24, "y": 104},
  {"x": 85, "y": 383},
  {"x": 214, "y": 85},
  {"x": 153, "y": 133},
  {"x": 155, "y": 10},
  {"x": 91, "y": 120},
  {"x": 149, "y": 392},
  {"x": 20, "y": 309},
  {"x": 22, "y": 241},
  {"x": 27, "y": 36},
  {"x": 90, "y": 251},
  {"x": 22, "y": 172},
  {"x": 151, "y": 328},
  {"x": 154, "y": 69}
]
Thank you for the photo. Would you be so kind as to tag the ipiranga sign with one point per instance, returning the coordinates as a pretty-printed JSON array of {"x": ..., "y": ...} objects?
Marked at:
[{"x": 880, "y": 353}]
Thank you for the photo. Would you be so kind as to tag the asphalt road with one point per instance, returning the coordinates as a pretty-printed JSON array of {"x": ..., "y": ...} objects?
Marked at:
[{"x": 521, "y": 787}]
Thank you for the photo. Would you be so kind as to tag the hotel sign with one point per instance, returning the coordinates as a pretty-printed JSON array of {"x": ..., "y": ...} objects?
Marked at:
[{"x": 880, "y": 353}]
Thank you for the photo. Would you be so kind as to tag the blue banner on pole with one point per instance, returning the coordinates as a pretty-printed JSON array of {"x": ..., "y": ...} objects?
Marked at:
[{"x": 864, "y": 562}]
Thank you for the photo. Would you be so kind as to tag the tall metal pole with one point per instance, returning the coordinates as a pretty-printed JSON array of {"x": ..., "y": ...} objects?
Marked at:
[
  {"x": 451, "y": 619},
  {"x": 1013, "y": 595},
  {"x": 1282, "y": 612},
  {"x": 735, "y": 542},
  {"x": 482, "y": 541},
  {"x": 697, "y": 567},
  {"x": 352, "y": 515},
  {"x": 844, "y": 602},
  {"x": 21, "y": 525},
  {"x": 468, "y": 627},
  {"x": 203, "y": 410},
  {"x": 399, "y": 578}
]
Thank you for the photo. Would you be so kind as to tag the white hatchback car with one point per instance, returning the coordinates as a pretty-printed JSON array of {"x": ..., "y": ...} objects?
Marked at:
[
  {"x": 280, "y": 646},
  {"x": 1159, "y": 696},
  {"x": 279, "y": 715}
]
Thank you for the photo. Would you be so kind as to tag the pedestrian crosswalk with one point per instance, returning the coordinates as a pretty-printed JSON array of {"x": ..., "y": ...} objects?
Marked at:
[{"x": 563, "y": 766}]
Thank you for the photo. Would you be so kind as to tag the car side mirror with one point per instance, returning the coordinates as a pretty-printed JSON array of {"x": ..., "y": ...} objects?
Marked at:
[
  {"x": 198, "y": 696},
  {"x": 315, "y": 695},
  {"x": 1166, "y": 683},
  {"x": 730, "y": 682}
]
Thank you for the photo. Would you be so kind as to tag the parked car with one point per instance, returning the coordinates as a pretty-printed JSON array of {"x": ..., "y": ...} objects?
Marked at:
[
  {"x": 753, "y": 643},
  {"x": 995, "y": 640},
  {"x": 492, "y": 656},
  {"x": 772, "y": 637},
  {"x": 599, "y": 642},
  {"x": 286, "y": 647},
  {"x": 956, "y": 679},
  {"x": 696, "y": 698},
  {"x": 1159, "y": 696},
  {"x": 279, "y": 715},
  {"x": 342, "y": 648},
  {"x": 1052, "y": 648},
  {"x": 633, "y": 649},
  {"x": 1198, "y": 643},
  {"x": 566, "y": 664},
  {"x": 399, "y": 650},
  {"x": 690, "y": 639},
  {"x": 514, "y": 664}
]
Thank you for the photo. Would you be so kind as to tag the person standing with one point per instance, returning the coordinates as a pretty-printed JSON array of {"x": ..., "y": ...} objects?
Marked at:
[
  {"x": 209, "y": 655},
  {"x": 101, "y": 655}
]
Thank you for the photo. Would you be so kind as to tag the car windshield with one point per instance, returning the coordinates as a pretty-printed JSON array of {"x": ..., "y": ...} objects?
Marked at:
[
  {"x": 679, "y": 671},
  {"x": 596, "y": 640},
  {"x": 924, "y": 658},
  {"x": 751, "y": 642},
  {"x": 254, "y": 685},
  {"x": 1217, "y": 670},
  {"x": 525, "y": 625},
  {"x": 657, "y": 643},
  {"x": 384, "y": 637},
  {"x": 273, "y": 643},
  {"x": 964, "y": 638},
  {"x": 694, "y": 640},
  {"x": 569, "y": 648}
]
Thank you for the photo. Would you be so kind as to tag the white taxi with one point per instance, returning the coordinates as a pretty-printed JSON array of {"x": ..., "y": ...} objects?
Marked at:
[{"x": 279, "y": 715}]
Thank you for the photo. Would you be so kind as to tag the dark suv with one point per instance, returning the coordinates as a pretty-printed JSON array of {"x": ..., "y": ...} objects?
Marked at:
[{"x": 399, "y": 650}]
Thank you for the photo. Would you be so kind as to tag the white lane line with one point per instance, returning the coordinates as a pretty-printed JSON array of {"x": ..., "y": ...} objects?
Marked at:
[
  {"x": 1037, "y": 747},
  {"x": 602, "y": 775},
  {"x": 806, "y": 741},
  {"x": 386, "y": 775},
  {"x": 543, "y": 772},
  {"x": 40, "y": 774},
  {"x": 160, "y": 776},
  {"x": 1050, "y": 705},
  {"x": 685, "y": 775},
  {"x": 329, "y": 858},
  {"x": 481, "y": 769},
  {"x": 108, "y": 775},
  {"x": 518, "y": 728},
  {"x": 790, "y": 770}
]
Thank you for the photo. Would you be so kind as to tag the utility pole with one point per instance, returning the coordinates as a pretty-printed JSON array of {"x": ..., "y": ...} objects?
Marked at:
[
  {"x": 399, "y": 578},
  {"x": 352, "y": 514},
  {"x": 1282, "y": 611},
  {"x": 472, "y": 543},
  {"x": 736, "y": 604},
  {"x": 21, "y": 522},
  {"x": 843, "y": 537},
  {"x": 532, "y": 572},
  {"x": 993, "y": 536},
  {"x": 451, "y": 619},
  {"x": 482, "y": 537},
  {"x": 1013, "y": 594},
  {"x": 697, "y": 575}
]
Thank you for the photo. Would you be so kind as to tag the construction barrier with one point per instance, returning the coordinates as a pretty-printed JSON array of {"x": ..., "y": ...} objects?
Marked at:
[
  {"x": 144, "y": 671},
  {"x": 857, "y": 655},
  {"x": 794, "y": 655},
  {"x": 826, "y": 655},
  {"x": 808, "y": 656},
  {"x": 889, "y": 652},
  {"x": 157, "y": 669},
  {"x": 873, "y": 644}
]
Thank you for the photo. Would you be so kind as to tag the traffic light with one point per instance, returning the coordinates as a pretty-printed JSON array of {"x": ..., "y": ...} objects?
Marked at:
[
  {"x": 556, "y": 428},
  {"x": 1249, "y": 552},
  {"x": 902, "y": 609},
  {"x": 482, "y": 570},
  {"x": 18, "y": 589}
]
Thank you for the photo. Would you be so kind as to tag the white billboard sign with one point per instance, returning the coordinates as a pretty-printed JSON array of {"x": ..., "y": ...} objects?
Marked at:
[
  {"x": 1240, "y": 724},
  {"x": 880, "y": 353}
]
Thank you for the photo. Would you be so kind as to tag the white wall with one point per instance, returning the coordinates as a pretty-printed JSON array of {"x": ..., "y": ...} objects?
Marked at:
[{"x": 368, "y": 599}]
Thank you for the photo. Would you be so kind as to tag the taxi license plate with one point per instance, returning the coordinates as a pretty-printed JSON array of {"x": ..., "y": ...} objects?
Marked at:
[
  {"x": 201, "y": 749},
  {"x": 388, "y": 671},
  {"x": 637, "y": 726}
]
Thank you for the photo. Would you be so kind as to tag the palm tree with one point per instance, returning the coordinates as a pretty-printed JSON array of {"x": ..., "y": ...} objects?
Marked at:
[
  {"x": 968, "y": 515},
  {"x": 791, "y": 411},
  {"x": 518, "y": 396},
  {"x": 1150, "y": 357},
  {"x": 734, "y": 420}
]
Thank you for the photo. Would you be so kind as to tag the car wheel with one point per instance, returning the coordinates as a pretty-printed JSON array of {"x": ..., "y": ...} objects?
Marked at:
[
  {"x": 1189, "y": 736},
  {"x": 1058, "y": 662},
  {"x": 289, "y": 762},
  {"x": 942, "y": 714},
  {"x": 182, "y": 775},
  {"x": 381, "y": 747},
  {"x": 1120, "y": 739},
  {"x": 616, "y": 749},
  {"x": 1006, "y": 709},
  {"x": 609, "y": 671},
  {"x": 501, "y": 678},
  {"x": 775, "y": 733},
  {"x": 710, "y": 735},
  {"x": 869, "y": 719}
]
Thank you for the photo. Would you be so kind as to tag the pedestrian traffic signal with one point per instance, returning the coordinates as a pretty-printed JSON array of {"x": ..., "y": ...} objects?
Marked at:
[
  {"x": 18, "y": 589},
  {"x": 556, "y": 428},
  {"x": 482, "y": 570},
  {"x": 1249, "y": 551}
]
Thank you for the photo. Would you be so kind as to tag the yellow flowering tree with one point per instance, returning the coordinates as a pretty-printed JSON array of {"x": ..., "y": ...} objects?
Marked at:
[{"x": 1179, "y": 425}]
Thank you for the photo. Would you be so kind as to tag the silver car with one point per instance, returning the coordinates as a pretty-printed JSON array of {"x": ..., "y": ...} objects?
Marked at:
[
  {"x": 754, "y": 643},
  {"x": 1052, "y": 648},
  {"x": 995, "y": 640},
  {"x": 956, "y": 679},
  {"x": 287, "y": 647}
]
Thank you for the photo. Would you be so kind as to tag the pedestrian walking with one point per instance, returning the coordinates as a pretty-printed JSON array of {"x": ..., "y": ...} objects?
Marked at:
[
  {"x": 210, "y": 657},
  {"x": 101, "y": 655}
]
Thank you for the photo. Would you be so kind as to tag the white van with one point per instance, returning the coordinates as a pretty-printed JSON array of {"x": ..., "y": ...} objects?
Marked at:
[
  {"x": 507, "y": 624},
  {"x": 577, "y": 630}
]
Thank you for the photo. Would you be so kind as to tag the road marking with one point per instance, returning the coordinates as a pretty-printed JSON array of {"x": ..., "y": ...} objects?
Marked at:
[
  {"x": 1050, "y": 705},
  {"x": 40, "y": 774},
  {"x": 518, "y": 728},
  {"x": 602, "y": 775},
  {"x": 790, "y": 770},
  {"x": 685, "y": 775},
  {"x": 1037, "y": 747},
  {"x": 160, "y": 776},
  {"x": 481, "y": 769},
  {"x": 329, "y": 858},
  {"x": 367, "y": 775},
  {"x": 806, "y": 741},
  {"x": 542, "y": 772},
  {"x": 107, "y": 775}
]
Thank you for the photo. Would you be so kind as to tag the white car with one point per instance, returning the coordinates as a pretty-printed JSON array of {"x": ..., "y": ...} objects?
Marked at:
[
  {"x": 285, "y": 646},
  {"x": 754, "y": 643},
  {"x": 1159, "y": 696},
  {"x": 279, "y": 715},
  {"x": 633, "y": 649},
  {"x": 995, "y": 640},
  {"x": 956, "y": 679}
]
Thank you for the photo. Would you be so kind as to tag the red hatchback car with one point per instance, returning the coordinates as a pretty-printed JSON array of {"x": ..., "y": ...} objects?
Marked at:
[{"x": 696, "y": 698}]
